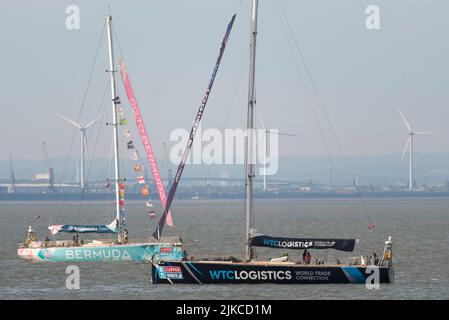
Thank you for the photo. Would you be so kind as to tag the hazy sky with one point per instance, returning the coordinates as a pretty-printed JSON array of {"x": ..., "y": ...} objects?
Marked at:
[{"x": 170, "y": 48}]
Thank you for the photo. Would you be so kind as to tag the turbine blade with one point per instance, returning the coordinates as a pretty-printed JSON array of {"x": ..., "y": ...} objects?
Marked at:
[
  {"x": 405, "y": 148},
  {"x": 288, "y": 134},
  {"x": 425, "y": 132},
  {"x": 93, "y": 121},
  {"x": 69, "y": 121},
  {"x": 405, "y": 121}
]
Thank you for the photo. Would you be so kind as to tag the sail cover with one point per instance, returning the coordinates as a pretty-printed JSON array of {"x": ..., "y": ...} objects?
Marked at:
[
  {"x": 158, "y": 232},
  {"x": 110, "y": 228},
  {"x": 302, "y": 243}
]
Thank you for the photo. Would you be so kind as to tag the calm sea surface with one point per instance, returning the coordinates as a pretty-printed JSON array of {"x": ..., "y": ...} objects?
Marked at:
[{"x": 419, "y": 227}]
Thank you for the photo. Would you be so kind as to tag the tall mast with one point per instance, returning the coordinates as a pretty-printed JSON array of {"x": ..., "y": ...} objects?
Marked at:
[
  {"x": 249, "y": 253},
  {"x": 12, "y": 176},
  {"x": 114, "y": 124}
]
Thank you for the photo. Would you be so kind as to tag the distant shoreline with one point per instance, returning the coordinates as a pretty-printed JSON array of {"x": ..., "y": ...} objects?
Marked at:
[{"x": 195, "y": 196}]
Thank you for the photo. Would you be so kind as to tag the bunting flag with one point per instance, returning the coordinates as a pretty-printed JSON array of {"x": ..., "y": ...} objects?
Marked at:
[
  {"x": 144, "y": 191},
  {"x": 152, "y": 214},
  {"x": 158, "y": 232},
  {"x": 133, "y": 155},
  {"x": 116, "y": 100},
  {"x": 148, "y": 203},
  {"x": 145, "y": 141},
  {"x": 126, "y": 132}
]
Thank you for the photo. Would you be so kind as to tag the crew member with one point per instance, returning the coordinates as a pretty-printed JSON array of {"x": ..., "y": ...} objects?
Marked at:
[
  {"x": 125, "y": 236},
  {"x": 31, "y": 237}
]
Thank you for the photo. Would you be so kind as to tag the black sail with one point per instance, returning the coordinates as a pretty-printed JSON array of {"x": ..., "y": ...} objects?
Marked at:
[
  {"x": 302, "y": 243},
  {"x": 157, "y": 234}
]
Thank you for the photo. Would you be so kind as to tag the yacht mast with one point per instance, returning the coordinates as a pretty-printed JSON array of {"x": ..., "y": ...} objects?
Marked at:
[
  {"x": 114, "y": 125},
  {"x": 249, "y": 252}
]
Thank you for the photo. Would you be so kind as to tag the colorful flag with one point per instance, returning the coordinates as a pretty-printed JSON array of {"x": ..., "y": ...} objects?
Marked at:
[
  {"x": 116, "y": 100},
  {"x": 140, "y": 180},
  {"x": 133, "y": 155},
  {"x": 126, "y": 132},
  {"x": 122, "y": 186},
  {"x": 120, "y": 111},
  {"x": 137, "y": 167},
  {"x": 152, "y": 214},
  {"x": 122, "y": 202},
  {"x": 130, "y": 144},
  {"x": 122, "y": 193},
  {"x": 144, "y": 191},
  {"x": 123, "y": 122},
  {"x": 148, "y": 203}
]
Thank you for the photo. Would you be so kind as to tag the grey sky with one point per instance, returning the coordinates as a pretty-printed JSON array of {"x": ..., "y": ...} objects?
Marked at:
[{"x": 170, "y": 48}]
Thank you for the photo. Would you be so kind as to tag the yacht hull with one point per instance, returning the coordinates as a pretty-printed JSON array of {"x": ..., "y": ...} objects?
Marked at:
[
  {"x": 141, "y": 252},
  {"x": 237, "y": 273}
]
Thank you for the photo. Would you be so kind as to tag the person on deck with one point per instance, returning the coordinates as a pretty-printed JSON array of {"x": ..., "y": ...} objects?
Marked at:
[
  {"x": 125, "y": 236},
  {"x": 308, "y": 258},
  {"x": 304, "y": 255},
  {"x": 75, "y": 240},
  {"x": 46, "y": 241},
  {"x": 31, "y": 237}
]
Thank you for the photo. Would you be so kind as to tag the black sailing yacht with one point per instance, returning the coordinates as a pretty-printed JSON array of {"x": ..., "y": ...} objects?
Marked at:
[{"x": 358, "y": 270}]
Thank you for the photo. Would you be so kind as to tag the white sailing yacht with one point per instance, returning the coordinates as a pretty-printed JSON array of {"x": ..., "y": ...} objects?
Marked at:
[{"x": 119, "y": 249}]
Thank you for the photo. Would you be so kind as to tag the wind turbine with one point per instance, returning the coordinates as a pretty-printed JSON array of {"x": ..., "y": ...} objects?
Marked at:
[
  {"x": 409, "y": 145},
  {"x": 267, "y": 136},
  {"x": 83, "y": 145}
]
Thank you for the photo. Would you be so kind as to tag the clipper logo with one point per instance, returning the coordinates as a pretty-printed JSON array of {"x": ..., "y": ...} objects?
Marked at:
[
  {"x": 253, "y": 275},
  {"x": 170, "y": 272}
]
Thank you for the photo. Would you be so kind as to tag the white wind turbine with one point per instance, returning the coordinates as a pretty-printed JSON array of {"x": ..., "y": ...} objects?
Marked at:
[
  {"x": 267, "y": 138},
  {"x": 83, "y": 145},
  {"x": 409, "y": 145}
]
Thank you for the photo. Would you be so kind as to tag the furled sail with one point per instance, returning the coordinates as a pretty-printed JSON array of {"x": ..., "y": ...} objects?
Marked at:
[
  {"x": 302, "y": 243},
  {"x": 109, "y": 228},
  {"x": 157, "y": 234},
  {"x": 145, "y": 141}
]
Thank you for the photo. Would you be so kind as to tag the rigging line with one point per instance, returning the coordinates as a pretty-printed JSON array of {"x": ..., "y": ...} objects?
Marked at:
[
  {"x": 321, "y": 104},
  {"x": 309, "y": 98},
  {"x": 79, "y": 115}
]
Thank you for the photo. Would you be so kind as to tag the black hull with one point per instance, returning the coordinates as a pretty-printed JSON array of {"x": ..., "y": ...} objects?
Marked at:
[{"x": 236, "y": 273}]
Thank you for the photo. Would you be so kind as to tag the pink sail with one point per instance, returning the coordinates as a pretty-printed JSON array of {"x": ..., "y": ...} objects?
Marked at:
[{"x": 145, "y": 140}]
